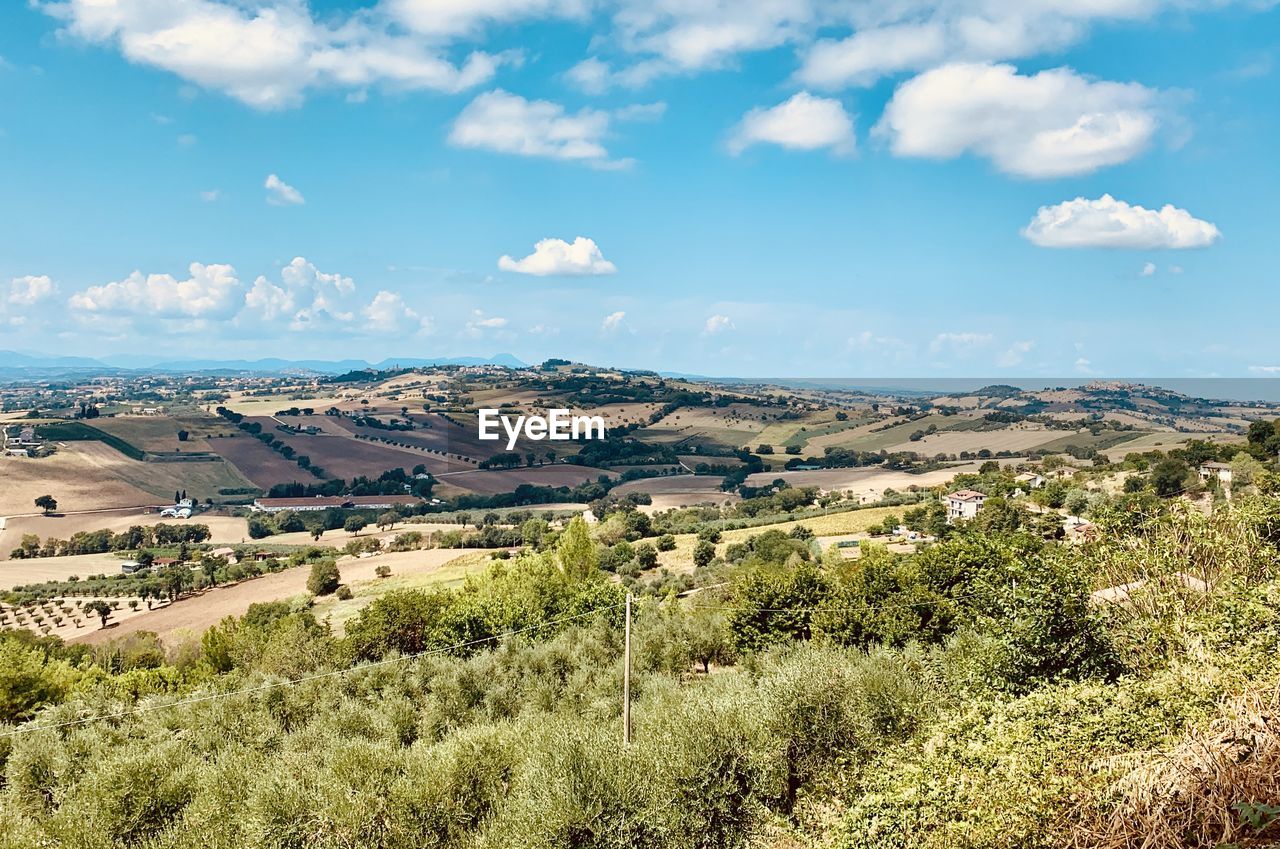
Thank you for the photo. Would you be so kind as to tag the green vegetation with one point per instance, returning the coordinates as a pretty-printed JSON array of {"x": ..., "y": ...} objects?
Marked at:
[{"x": 971, "y": 695}]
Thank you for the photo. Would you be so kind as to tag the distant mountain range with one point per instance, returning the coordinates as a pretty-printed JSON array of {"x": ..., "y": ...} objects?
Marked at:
[{"x": 14, "y": 364}]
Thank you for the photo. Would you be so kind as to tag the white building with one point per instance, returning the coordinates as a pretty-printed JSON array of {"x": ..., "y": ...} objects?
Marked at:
[
  {"x": 1032, "y": 480},
  {"x": 964, "y": 504},
  {"x": 1222, "y": 471}
]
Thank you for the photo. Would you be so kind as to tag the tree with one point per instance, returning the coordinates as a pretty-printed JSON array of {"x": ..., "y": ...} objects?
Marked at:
[
  {"x": 646, "y": 555},
  {"x": 258, "y": 529},
  {"x": 1168, "y": 477},
  {"x": 577, "y": 551},
  {"x": 324, "y": 578},
  {"x": 666, "y": 542},
  {"x": 382, "y": 570},
  {"x": 388, "y": 520},
  {"x": 99, "y": 608},
  {"x": 703, "y": 553},
  {"x": 355, "y": 524},
  {"x": 47, "y": 503},
  {"x": 316, "y": 533}
]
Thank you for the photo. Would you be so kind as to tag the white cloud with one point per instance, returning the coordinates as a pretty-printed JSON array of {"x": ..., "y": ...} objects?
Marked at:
[
  {"x": 459, "y": 17},
  {"x": 641, "y": 111},
  {"x": 717, "y": 324},
  {"x": 613, "y": 322},
  {"x": 1175, "y": 269},
  {"x": 1051, "y": 124},
  {"x": 305, "y": 297},
  {"x": 1265, "y": 369},
  {"x": 1083, "y": 365},
  {"x": 388, "y": 313},
  {"x": 1015, "y": 354},
  {"x": 591, "y": 75},
  {"x": 507, "y": 123},
  {"x": 1110, "y": 223},
  {"x": 556, "y": 256},
  {"x": 211, "y": 195},
  {"x": 1148, "y": 269},
  {"x": 866, "y": 55},
  {"x": 281, "y": 193},
  {"x": 30, "y": 290},
  {"x": 479, "y": 323},
  {"x": 211, "y": 291},
  {"x": 959, "y": 343},
  {"x": 803, "y": 122},
  {"x": 269, "y": 53}
]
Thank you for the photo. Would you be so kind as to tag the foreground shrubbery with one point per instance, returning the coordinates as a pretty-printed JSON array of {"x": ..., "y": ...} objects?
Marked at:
[{"x": 971, "y": 696}]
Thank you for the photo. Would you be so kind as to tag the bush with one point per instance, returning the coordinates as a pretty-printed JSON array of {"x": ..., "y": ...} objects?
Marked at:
[
  {"x": 324, "y": 578},
  {"x": 343, "y": 592}
]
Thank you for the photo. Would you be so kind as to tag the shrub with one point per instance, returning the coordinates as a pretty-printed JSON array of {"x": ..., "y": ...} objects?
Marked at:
[{"x": 324, "y": 578}]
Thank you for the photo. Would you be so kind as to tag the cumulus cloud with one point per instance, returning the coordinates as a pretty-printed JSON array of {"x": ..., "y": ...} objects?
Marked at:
[
  {"x": 1051, "y": 124},
  {"x": 613, "y": 322},
  {"x": 508, "y": 123},
  {"x": 281, "y": 193},
  {"x": 211, "y": 195},
  {"x": 388, "y": 313},
  {"x": 556, "y": 256},
  {"x": 1110, "y": 223},
  {"x": 30, "y": 290},
  {"x": 305, "y": 297},
  {"x": 717, "y": 324},
  {"x": 211, "y": 291},
  {"x": 803, "y": 122},
  {"x": 269, "y": 54},
  {"x": 1148, "y": 269}
]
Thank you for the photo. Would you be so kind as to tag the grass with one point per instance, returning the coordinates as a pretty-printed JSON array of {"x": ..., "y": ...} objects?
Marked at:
[
  {"x": 452, "y": 574},
  {"x": 833, "y": 524},
  {"x": 81, "y": 432}
]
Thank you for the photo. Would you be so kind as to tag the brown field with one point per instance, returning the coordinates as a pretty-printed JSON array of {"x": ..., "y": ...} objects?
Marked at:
[
  {"x": 678, "y": 491},
  {"x": 258, "y": 463},
  {"x": 340, "y": 457},
  {"x": 494, "y": 481},
  {"x": 80, "y": 475},
  {"x": 1164, "y": 442},
  {"x": 92, "y": 475},
  {"x": 266, "y": 406},
  {"x": 955, "y": 441},
  {"x": 868, "y": 482},
  {"x": 159, "y": 434},
  {"x": 195, "y": 614},
  {"x": 225, "y": 529},
  {"x": 16, "y": 573}
]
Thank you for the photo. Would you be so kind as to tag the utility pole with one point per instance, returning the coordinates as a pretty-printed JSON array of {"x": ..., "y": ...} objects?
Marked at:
[{"x": 626, "y": 679}]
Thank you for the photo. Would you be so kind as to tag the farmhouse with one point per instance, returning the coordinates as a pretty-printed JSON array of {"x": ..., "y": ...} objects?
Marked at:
[
  {"x": 20, "y": 441},
  {"x": 964, "y": 504},
  {"x": 1031, "y": 480},
  {"x": 341, "y": 502},
  {"x": 1222, "y": 471}
]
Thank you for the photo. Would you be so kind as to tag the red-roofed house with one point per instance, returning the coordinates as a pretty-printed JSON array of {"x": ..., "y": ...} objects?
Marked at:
[{"x": 964, "y": 504}]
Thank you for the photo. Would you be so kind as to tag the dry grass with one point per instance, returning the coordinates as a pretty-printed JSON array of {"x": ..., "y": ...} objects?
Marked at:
[
  {"x": 81, "y": 475},
  {"x": 1211, "y": 790}
]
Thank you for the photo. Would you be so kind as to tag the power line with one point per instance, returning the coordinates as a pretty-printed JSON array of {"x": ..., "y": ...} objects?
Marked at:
[{"x": 211, "y": 697}]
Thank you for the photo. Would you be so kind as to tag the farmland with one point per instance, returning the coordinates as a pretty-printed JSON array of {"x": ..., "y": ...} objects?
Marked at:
[{"x": 195, "y": 613}]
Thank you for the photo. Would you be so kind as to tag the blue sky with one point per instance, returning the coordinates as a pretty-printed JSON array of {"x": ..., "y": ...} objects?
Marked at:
[{"x": 761, "y": 187}]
